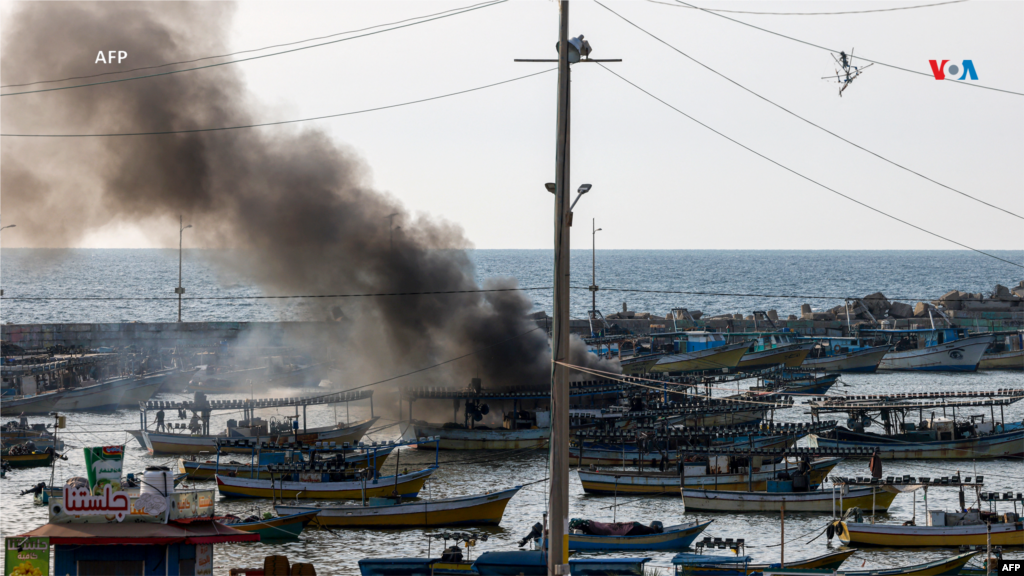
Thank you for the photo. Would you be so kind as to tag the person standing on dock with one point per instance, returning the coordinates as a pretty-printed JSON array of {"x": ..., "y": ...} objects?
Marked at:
[{"x": 160, "y": 421}]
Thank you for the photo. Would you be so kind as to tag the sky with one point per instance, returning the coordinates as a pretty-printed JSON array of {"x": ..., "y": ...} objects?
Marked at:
[{"x": 660, "y": 180}]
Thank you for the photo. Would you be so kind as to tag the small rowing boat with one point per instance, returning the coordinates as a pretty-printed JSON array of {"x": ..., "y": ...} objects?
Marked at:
[
  {"x": 476, "y": 510},
  {"x": 689, "y": 563},
  {"x": 278, "y": 528},
  {"x": 941, "y": 567},
  {"x": 32, "y": 460}
]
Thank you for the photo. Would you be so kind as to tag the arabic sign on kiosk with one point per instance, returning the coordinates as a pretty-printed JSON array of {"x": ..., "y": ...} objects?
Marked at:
[
  {"x": 103, "y": 466},
  {"x": 26, "y": 556},
  {"x": 80, "y": 507}
]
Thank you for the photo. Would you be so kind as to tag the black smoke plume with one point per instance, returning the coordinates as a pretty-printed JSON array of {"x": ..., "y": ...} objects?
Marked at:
[{"x": 297, "y": 207}]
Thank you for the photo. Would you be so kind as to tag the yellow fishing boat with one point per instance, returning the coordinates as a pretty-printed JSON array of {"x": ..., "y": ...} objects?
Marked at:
[
  {"x": 477, "y": 510},
  {"x": 899, "y": 536},
  {"x": 311, "y": 486},
  {"x": 699, "y": 359}
]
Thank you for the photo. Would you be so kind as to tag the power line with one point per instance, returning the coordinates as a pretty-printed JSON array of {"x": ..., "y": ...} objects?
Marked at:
[
  {"x": 813, "y": 13},
  {"x": 277, "y": 123},
  {"x": 477, "y": 7},
  {"x": 365, "y": 295},
  {"x": 794, "y": 114},
  {"x": 245, "y": 51},
  {"x": 832, "y": 190},
  {"x": 834, "y": 51}
]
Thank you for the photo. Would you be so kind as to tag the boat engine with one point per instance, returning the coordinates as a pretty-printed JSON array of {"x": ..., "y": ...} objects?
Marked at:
[{"x": 535, "y": 532}]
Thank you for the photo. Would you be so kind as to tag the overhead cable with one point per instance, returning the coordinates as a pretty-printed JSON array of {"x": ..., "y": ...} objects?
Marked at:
[
  {"x": 280, "y": 122},
  {"x": 962, "y": 83},
  {"x": 246, "y": 51},
  {"x": 364, "y": 295},
  {"x": 809, "y": 179},
  {"x": 477, "y": 7},
  {"x": 812, "y": 13},
  {"x": 795, "y": 115}
]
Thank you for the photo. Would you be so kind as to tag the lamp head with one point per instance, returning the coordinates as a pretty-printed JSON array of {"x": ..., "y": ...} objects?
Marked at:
[
  {"x": 576, "y": 47},
  {"x": 584, "y": 188},
  {"x": 550, "y": 187}
]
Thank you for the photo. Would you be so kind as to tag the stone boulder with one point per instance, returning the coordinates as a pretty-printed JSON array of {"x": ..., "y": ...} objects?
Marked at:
[
  {"x": 900, "y": 310},
  {"x": 921, "y": 310},
  {"x": 792, "y": 317},
  {"x": 805, "y": 309},
  {"x": 1019, "y": 290},
  {"x": 877, "y": 303},
  {"x": 773, "y": 315},
  {"x": 737, "y": 316},
  {"x": 952, "y": 300}
]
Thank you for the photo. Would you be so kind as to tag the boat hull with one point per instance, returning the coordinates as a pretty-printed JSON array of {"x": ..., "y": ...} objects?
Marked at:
[
  {"x": 816, "y": 501},
  {"x": 791, "y": 356},
  {"x": 634, "y": 483},
  {"x": 104, "y": 397},
  {"x": 408, "y": 486},
  {"x": 863, "y": 534},
  {"x": 1010, "y": 360},
  {"x": 946, "y": 567},
  {"x": 727, "y": 356},
  {"x": 31, "y": 405},
  {"x": 35, "y": 460},
  {"x": 673, "y": 538},
  {"x": 478, "y": 510},
  {"x": 831, "y": 561},
  {"x": 957, "y": 356},
  {"x": 140, "y": 392},
  {"x": 1002, "y": 445},
  {"x": 160, "y": 443},
  {"x": 467, "y": 439},
  {"x": 281, "y": 528},
  {"x": 206, "y": 470},
  {"x": 862, "y": 361},
  {"x": 608, "y": 457}
]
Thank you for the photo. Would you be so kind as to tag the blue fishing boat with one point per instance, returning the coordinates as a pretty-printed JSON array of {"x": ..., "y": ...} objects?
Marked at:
[
  {"x": 676, "y": 537},
  {"x": 843, "y": 354},
  {"x": 500, "y": 563},
  {"x": 277, "y": 527}
]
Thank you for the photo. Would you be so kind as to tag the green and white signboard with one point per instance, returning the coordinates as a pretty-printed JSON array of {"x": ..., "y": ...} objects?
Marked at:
[{"x": 26, "y": 556}]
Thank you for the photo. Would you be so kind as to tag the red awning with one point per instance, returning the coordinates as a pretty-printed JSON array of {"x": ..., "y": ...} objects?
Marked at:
[{"x": 141, "y": 533}]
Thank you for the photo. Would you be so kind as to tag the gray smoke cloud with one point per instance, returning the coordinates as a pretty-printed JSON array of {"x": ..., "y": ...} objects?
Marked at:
[{"x": 298, "y": 207}]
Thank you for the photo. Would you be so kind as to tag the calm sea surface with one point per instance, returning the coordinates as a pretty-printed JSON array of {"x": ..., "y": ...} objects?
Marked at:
[{"x": 910, "y": 275}]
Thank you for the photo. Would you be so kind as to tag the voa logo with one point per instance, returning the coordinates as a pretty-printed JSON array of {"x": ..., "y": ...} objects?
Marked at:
[{"x": 943, "y": 69}]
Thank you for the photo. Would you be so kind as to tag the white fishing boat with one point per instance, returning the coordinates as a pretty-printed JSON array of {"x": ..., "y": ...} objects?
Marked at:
[
  {"x": 30, "y": 405},
  {"x": 101, "y": 397},
  {"x": 939, "y": 349},
  {"x": 823, "y": 501}
]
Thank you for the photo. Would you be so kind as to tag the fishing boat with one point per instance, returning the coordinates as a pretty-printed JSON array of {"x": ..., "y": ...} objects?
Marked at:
[
  {"x": 843, "y": 354},
  {"x": 102, "y": 397},
  {"x": 35, "y": 405},
  {"x": 484, "y": 439},
  {"x": 144, "y": 387},
  {"x": 941, "y": 567},
  {"x": 696, "y": 477},
  {"x": 34, "y": 459},
  {"x": 662, "y": 449},
  {"x": 286, "y": 527},
  {"x": 773, "y": 501},
  {"x": 973, "y": 526},
  {"x": 939, "y": 437},
  {"x": 799, "y": 383},
  {"x": 673, "y": 537},
  {"x": 534, "y": 563},
  {"x": 206, "y": 469},
  {"x": 771, "y": 349},
  {"x": 699, "y": 351},
  {"x": 937, "y": 349},
  {"x": 476, "y": 510},
  {"x": 1005, "y": 353},
  {"x": 183, "y": 443},
  {"x": 739, "y": 564},
  {"x": 313, "y": 486}
]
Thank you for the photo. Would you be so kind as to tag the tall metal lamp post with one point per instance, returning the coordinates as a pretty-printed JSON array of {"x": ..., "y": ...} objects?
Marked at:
[
  {"x": 2, "y": 229},
  {"x": 179, "y": 290}
]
